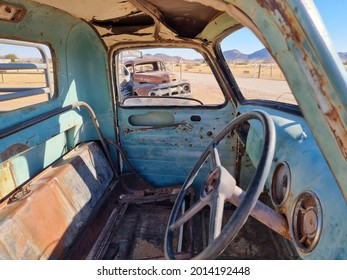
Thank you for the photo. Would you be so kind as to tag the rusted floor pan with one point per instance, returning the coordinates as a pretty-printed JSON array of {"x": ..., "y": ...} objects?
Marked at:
[
  {"x": 108, "y": 221},
  {"x": 257, "y": 242},
  {"x": 140, "y": 235}
]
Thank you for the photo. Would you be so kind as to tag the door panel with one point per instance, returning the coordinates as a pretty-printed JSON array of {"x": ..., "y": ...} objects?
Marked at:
[{"x": 163, "y": 145}]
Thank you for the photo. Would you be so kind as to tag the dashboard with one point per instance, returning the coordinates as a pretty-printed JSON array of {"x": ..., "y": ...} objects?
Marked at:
[{"x": 302, "y": 187}]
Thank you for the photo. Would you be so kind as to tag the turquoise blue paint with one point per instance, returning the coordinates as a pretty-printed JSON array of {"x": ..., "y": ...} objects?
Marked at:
[
  {"x": 310, "y": 172},
  {"x": 165, "y": 156},
  {"x": 314, "y": 73},
  {"x": 81, "y": 67}
]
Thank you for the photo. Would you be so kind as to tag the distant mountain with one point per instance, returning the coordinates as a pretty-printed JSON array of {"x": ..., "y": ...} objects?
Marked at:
[
  {"x": 231, "y": 55},
  {"x": 165, "y": 57},
  {"x": 236, "y": 55},
  {"x": 262, "y": 55}
]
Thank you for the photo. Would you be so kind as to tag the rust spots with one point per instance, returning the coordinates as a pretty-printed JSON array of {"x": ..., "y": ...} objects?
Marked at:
[
  {"x": 42, "y": 222},
  {"x": 287, "y": 18},
  {"x": 22, "y": 193},
  {"x": 292, "y": 30},
  {"x": 333, "y": 116},
  {"x": 7, "y": 179},
  {"x": 335, "y": 123},
  {"x": 13, "y": 150}
]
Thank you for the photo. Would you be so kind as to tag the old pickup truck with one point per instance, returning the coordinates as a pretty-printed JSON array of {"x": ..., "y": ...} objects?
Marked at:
[
  {"x": 233, "y": 173},
  {"x": 149, "y": 77}
]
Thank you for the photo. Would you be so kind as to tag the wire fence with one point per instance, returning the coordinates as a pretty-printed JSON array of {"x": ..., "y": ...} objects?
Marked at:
[{"x": 259, "y": 71}]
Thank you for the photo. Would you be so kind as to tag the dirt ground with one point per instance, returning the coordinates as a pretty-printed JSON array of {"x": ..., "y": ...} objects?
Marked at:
[
  {"x": 203, "y": 84},
  {"x": 205, "y": 88},
  {"x": 268, "y": 71},
  {"x": 29, "y": 79},
  {"x": 255, "y": 70}
]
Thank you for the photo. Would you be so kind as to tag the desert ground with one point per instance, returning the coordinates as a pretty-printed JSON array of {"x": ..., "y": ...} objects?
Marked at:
[
  {"x": 256, "y": 81},
  {"x": 24, "y": 79},
  {"x": 205, "y": 88}
]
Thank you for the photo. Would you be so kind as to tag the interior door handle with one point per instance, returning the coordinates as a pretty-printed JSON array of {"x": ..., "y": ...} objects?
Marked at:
[{"x": 183, "y": 127}]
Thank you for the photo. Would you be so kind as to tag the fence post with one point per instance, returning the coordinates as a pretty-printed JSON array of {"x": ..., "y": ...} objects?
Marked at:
[{"x": 259, "y": 71}]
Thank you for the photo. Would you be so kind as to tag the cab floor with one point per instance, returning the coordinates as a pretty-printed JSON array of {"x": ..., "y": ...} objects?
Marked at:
[{"x": 140, "y": 235}]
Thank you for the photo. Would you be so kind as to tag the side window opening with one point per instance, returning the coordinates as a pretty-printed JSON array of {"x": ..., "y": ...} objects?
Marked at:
[
  {"x": 165, "y": 77},
  {"x": 255, "y": 71},
  {"x": 26, "y": 74}
]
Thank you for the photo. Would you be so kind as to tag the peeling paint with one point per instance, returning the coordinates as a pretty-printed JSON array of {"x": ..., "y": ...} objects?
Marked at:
[
  {"x": 41, "y": 220},
  {"x": 13, "y": 150},
  {"x": 7, "y": 179}
]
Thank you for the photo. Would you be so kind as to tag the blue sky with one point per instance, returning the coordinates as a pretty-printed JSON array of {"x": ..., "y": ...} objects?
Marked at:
[{"x": 333, "y": 13}]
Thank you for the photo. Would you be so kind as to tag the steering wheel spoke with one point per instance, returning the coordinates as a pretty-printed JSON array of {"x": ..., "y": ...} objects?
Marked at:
[
  {"x": 215, "y": 159},
  {"x": 219, "y": 187},
  {"x": 191, "y": 212},
  {"x": 216, "y": 217}
]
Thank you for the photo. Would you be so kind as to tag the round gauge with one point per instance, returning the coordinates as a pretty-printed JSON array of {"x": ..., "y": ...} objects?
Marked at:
[
  {"x": 280, "y": 184},
  {"x": 306, "y": 222}
]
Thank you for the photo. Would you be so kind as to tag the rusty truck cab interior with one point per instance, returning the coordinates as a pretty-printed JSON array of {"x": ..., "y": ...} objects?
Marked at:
[{"x": 185, "y": 161}]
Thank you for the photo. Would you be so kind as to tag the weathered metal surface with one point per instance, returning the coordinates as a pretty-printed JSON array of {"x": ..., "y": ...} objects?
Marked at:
[
  {"x": 12, "y": 13},
  {"x": 72, "y": 84},
  {"x": 183, "y": 127},
  {"x": 217, "y": 25},
  {"x": 150, "y": 77},
  {"x": 321, "y": 85},
  {"x": 29, "y": 162},
  {"x": 264, "y": 214},
  {"x": 164, "y": 156},
  {"x": 130, "y": 189},
  {"x": 13, "y": 150},
  {"x": 22, "y": 92},
  {"x": 90, "y": 243},
  {"x": 286, "y": 28},
  {"x": 142, "y": 237},
  {"x": 7, "y": 179},
  {"x": 154, "y": 118},
  {"x": 294, "y": 34},
  {"x": 313, "y": 71},
  {"x": 257, "y": 241},
  {"x": 43, "y": 221},
  {"x": 108, "y": 9},
  {"x": 154, "y": 78},
  {"x": 309, "y": 171}
]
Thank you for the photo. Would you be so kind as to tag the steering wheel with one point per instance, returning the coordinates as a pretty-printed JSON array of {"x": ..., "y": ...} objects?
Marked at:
[{"x": 220, "y": 187}]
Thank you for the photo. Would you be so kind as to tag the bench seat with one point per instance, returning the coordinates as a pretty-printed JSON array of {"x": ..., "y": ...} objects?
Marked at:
[{"x": 44, "y": 217}]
